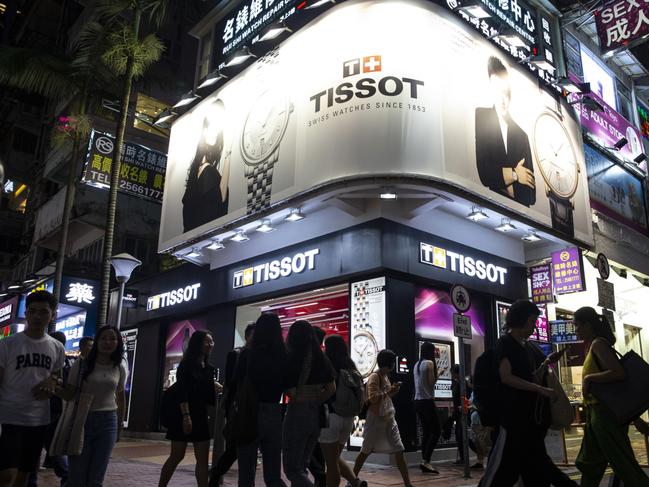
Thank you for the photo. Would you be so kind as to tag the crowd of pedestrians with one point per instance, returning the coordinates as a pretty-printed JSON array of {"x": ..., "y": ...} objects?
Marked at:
[{"x": 295, "y": 403}]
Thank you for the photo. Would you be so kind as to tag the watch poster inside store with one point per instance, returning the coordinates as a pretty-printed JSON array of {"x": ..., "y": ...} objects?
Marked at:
[
  {"x": 563, "y": 331},
  {"x": 501, "y": 314},
  {"x": 130, "y": 348},
  {"x": 567, "y": 275},
  {"x": 444, "y": 358},
  {"x": 367, "y": 332},
  {"x": 178, "y": 335},
  {"x": 541, "y": 279}
]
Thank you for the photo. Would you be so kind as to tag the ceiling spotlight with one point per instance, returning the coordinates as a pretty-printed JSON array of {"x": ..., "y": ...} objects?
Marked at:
[
  {"x": 29, "y": 281},
  {"x": 239, "y": 57},
  {"x": 165, "y": 116},
  {"x": 195, "y": 253},
  {"x": 2, "y": 295},
  {"x": 212, "y": 78},
  {"x": 511, "y": 37},
  {"x": 319, "y": 3},
  {"x": 590, "y": 103},
  {"x": 216, "y": 245},
  {"x": 187, "y": 99},
  {"x": 475, "y": 8},
  {"x": 265, "y": 226},
  {"x": 240, "y": 236},
  {"x": 619, "y": 144},
  {"x": 540, "y": 62},
  {"x": 388, "y": 194},
  {"x": 505, "y": 226},
  {"x": 274, "y": 31},
  {"x": 477, "y": 214},
  {"x": 566, "y": 84},
  {"x": 295, "y": 215},
  {"x": 531, "y": 237},
  {"x": 641, "y": 158}
]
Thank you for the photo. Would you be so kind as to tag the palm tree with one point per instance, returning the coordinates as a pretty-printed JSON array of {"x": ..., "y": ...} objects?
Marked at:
[
  {"x": 129, "y": 54},
  {"x": 75, "y": 74}
]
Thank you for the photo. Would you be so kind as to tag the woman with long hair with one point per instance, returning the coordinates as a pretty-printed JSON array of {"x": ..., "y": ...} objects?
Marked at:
[
  {"x": 263, "y": 365},
  {"x": 103, "y": 375},
  {"x": 309, "y": 382},
  {"x": 381, "y": 433},
  {"x": 425, "y": 378},
  {"x": 334, "y": 437},
  {"x": 206, "y": 191},
  {"x": 605, "y": 442},
  {"x": 196, "y": 388}
]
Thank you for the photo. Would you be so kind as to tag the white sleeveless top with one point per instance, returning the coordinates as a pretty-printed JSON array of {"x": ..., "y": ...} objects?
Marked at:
[{"x": 423, "y": 390}]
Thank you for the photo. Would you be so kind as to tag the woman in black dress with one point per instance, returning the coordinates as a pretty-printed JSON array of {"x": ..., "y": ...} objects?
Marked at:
[
  {"x": 206, "y": 191},
  {"x": 196, "y": 389}
]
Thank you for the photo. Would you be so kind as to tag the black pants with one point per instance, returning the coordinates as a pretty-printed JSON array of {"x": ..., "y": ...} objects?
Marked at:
[
  {"x": 317, "y": 466},
  {"x": 224, "y": 463},
  {"x": 427, "y": 412},
  {"x": 458, "y": 437}
]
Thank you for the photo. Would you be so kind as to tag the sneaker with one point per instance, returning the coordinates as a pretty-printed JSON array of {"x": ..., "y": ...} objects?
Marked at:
[
  {"x": 477, "y": 466},
  {"x": 426, "y": 467}
]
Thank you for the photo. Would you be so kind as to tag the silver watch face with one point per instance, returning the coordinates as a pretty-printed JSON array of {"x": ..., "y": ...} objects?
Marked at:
[
  {"x": 556, "y": 155},
  {"x": 364, "y": 352},
  {"x": 264, "y": 127}
]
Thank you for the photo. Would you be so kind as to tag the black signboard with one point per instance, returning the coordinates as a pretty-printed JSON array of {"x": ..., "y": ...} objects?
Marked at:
[{"x": 142, "y": 171}]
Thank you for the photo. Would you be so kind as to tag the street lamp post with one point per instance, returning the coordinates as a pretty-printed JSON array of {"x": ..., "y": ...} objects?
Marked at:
[{"x": 123, "y": 264}]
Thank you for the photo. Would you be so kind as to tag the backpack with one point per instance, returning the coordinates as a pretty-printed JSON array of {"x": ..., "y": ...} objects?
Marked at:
[
  {"x": 350, "y": 395},
  {"x": 170, "y": 406},
  {"x": 486, "y": 388}
]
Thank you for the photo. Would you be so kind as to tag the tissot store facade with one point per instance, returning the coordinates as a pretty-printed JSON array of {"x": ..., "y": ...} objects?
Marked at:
[{"x": 379, "y": 285}]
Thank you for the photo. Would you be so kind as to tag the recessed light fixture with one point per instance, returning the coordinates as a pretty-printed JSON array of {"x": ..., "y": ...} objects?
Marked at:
[
  {"x": 240, "y": 57},
  {"x": 303, "y": 305},
  {"x": 301, "y": 313},
  {"x": 216, "y": 245},
  {"x": 505, "y": 226},
  {"x": 388, "y": 194},
  {"x": 477, "y": 214},
  {"x": 265, "y": 226},
  {"x": 240, "y": 236},
  {"x": 324, "y": 309},
  {"x": 195, "y": 253},
  {"x": 511, "y": 37},
  {"x": 295, "y": 215},
  {"x": 319, "y": 3},
  {"x": 14, "y": 286},
  {"x": 532, "y": 236}
]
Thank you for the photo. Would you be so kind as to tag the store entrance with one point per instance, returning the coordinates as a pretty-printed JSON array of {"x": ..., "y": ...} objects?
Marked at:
[{"x": 325, "y": 308}]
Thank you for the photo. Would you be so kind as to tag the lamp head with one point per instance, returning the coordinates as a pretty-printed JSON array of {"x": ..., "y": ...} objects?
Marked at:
[{"x": 124, "y": 264}]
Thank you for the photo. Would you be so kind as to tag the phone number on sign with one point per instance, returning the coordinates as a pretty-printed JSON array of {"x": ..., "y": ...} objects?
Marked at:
[{"x": 139, "y": 189}]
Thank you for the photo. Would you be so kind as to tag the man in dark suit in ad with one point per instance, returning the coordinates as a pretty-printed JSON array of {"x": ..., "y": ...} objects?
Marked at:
[{"x": 503, "y": 154}]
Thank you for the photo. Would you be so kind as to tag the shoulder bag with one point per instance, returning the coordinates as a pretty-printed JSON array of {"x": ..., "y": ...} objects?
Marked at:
[{"x": 70, "y": 429}]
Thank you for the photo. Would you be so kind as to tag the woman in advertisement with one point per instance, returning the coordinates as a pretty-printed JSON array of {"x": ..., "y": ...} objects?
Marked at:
[
  {"x": 196, "y": 389},
  {"x": 206, "y": 192},
  {"x": 605, "y": 442}
]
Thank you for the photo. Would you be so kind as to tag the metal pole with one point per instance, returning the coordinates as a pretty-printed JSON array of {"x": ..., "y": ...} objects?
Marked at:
[
  {"x": 120, "y": 300},
  {"x": 465, "y": 436}
]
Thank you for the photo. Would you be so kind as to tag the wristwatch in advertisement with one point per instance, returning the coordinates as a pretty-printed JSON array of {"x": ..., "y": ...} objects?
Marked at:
[
  {"x": 365, "y": 351},
  {"x": 262, "y": 134},
  {"x": 559, "y": 167}
]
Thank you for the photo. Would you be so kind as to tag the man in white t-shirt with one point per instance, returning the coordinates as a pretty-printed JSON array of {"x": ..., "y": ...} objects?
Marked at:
[{"x": 30, "y": 363}]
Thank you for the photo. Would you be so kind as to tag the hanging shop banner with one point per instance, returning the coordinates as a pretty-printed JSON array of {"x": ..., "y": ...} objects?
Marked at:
[
  {"x": 563, "y": 331},
  {"x": 313, "y": 113},
  {"x": 614, "y": 191},
  {"x": 8, "y": 310},
  {"x": 567, "y": 274},
  {"x": 643, "y": 115},
  {"x": 606, "y": 127},
  {"x": 605, "y": 294},
  {"x": 142, "y": 170},
  {"x": 621, "y": 22},
  {"x": 130, "y": 348},
  {"x": 541, "y": 278}
]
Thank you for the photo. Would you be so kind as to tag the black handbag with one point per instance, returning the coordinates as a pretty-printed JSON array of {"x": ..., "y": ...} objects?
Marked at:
[{"x": 628, "y": 399}]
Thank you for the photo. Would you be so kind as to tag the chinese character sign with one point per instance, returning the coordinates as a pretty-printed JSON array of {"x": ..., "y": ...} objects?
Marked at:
[
  {"x": 142, "y": 171},
  {"x": 621, "y": 22},
  {"x": 566, "y": 271},
  {"x": 542, "y": 330},
  {"x": 541, "y": 277},
  {"x": 563, "y": 331}
]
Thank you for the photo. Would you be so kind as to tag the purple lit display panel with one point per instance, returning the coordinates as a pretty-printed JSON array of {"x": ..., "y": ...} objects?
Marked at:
[
  {"x": 178, "y": 335},
  {"x": 434, "y": 314},
  {"x": 566, "y": 271}
]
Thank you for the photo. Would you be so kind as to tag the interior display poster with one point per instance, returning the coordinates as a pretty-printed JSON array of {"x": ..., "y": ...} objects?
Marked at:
[
  {"x": 567, "y": 275},
  {"x": 501, "y": 314},
  {"x": 130, "y": 348},
  {"x": 178, "y": 334},
  {"x": 643, "y": 115},
  {"x": 444, "y": 361},
  {"x": 542, "y": 331},
  {"x": 614, "y": 191},
  {"x": 363, "y": 105},
  {"x": 541, "y": 279},
  {"x": 141, "y": 172}
]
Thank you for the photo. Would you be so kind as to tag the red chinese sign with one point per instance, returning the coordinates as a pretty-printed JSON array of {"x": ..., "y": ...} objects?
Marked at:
[{"x": 621, "y": 22}]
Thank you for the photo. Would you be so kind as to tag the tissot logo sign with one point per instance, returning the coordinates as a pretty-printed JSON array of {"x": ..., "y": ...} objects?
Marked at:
[
  {"x": 275, "y": 269},
  {"x": 456, "y": 262},
  {"x": 172, "y": 298}
]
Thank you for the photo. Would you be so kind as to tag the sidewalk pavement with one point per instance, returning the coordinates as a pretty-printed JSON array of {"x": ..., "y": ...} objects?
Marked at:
[{"x": 138, "y": 463}]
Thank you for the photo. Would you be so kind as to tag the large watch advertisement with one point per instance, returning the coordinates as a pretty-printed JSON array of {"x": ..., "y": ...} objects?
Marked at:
[{"x": 398, "y": 88}]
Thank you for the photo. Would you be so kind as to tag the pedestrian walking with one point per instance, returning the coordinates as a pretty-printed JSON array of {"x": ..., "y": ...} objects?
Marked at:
[
  {"x": 381, "y": 433},
  {"x": 85, "y": 345},
  {"x": 30, "y": 364},
  {"x": 309, "y": 382},
  {"x": 101, "y": 375},
  {"x": 425, "y": 371},
  {"x": 196, "y": 388},
  {"x": 59, "y": 463},
  {"x": 344, "y": 405},
  {"x": 519, "y": 448},
  {"x": 262, "y": 366},
  {"x": 317, "y": 461},
  {"x": 605, "y": 442},
  {"x": 223, "y": 463}
]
